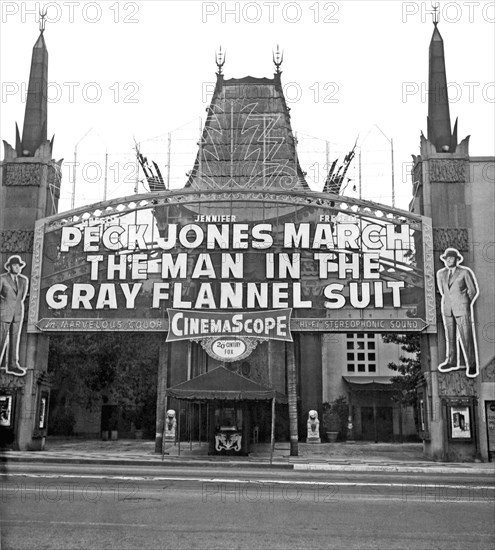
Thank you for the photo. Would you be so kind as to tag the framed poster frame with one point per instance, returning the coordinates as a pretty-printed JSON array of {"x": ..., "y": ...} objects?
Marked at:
[
  {"x": 490, "y": 427},
  {"x": 6, "y": 410},
  {"x": 460, "y": 417},
  {"x": 43, "y": 411}
]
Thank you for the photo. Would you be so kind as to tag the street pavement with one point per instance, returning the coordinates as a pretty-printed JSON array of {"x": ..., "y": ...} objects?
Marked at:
[
  {"x": 56, "y": 505},
  {"x": 92, "y": 494}
]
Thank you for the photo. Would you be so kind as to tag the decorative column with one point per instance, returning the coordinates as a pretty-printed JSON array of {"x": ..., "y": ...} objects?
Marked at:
[
  {"x": 161, "y": 395},
  {"x": 292, "y": 396}
]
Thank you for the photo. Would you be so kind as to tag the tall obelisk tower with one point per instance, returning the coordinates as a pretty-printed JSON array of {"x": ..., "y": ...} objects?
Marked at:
[
  {"x": 29, "y": 190},
  {"x": 450, "y": 188}
]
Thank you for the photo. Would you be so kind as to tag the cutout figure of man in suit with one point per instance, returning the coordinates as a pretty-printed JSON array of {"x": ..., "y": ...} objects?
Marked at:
[
  {"x": 13, "y": 290},
  {"x": 459, "y": 289}
]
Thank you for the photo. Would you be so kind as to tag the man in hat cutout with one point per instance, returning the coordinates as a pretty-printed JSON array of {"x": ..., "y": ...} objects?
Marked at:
[
  {"x": 13, "y": 290},
  {"x": 459, "y": 289}
]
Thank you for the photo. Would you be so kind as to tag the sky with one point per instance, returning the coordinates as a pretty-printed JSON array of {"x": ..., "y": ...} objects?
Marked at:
[{"x": 127, "y": 72}]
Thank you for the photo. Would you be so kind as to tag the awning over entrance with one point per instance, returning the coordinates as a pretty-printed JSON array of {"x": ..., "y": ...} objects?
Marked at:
[
  {"x": 367, "y": 383},
  {"x": 222, "y": 384}
]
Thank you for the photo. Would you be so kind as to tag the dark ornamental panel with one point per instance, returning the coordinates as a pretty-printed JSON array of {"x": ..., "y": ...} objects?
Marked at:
[
  {"x": 430, "y": 291},
  {"x": 23, "y": 174},
  {"x": 447, "y": 171},
  {"x": 456, "y": 384},
  {"x": 450, "y": 237},
  {"x": 19, "y": 241},
  {"x": 488, "y": 372}
]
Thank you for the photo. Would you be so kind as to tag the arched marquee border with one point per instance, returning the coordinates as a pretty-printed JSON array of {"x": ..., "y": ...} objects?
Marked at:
[{"x": 365, "y": 210}]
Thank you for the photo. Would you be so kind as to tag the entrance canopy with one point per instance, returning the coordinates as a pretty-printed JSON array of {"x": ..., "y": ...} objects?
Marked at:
[
  {"x": 362, "y": 383},
  {"x": 223, "y": 385}
]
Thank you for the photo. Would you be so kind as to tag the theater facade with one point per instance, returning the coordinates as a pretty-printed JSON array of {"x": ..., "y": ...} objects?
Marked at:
[{"x": 255, "y": 282}]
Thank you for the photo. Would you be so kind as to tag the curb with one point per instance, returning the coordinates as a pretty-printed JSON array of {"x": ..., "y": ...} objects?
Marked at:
[
  {"x": 394, "y": 469},
  {"x": 150, "y": 463},
  {"x": 434, "y": 468}
]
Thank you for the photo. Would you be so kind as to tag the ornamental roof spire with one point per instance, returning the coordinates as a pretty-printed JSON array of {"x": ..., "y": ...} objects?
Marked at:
[
  {"x": 35, "y": 118},
  {"x": 220, "y": 60},
  {"x": 42, "y": 20},
  {"x": 278, "y": 59},
  {"x": 439, "y": 128}
]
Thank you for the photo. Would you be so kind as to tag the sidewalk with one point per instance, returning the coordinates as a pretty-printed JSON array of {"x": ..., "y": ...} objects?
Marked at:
[{"x": 350, "y": 456}]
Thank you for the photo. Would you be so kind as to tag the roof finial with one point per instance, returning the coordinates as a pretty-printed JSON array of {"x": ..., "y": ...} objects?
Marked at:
[
  {"x": 42, "y": 19},
  {"x": 220, "y": 60},
  {"x": 436, "y": 14},
  {"x": 278, "y": 58}
]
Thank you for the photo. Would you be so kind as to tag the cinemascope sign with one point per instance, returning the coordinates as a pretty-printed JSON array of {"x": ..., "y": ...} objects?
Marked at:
[{"x": 232, "y": 266}]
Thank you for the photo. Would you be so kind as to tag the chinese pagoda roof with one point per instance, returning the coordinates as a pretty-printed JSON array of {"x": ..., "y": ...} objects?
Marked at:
[{"x": 247, "y": 140}]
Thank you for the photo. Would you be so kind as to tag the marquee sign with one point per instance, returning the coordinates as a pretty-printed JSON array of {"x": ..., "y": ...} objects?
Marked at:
[
  {"x": 191, "y": 324},
  {"x": 224, "y": 266}
]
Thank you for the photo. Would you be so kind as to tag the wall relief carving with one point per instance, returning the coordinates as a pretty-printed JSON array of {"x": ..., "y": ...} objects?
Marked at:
[
  {"x": 430, "y": 289},
  {"x": 456, "y": 384},
  {"x": 450, "y": 237},
  {"x": 9, "y": 382},
  {"x": 488, "y": 372},
  {"x": 23, "y": 174},
  {"x": 447, "y": 171},
  {"x": 16, "y": 241}
]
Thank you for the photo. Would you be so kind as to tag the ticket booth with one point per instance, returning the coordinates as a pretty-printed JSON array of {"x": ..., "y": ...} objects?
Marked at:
[
  {"x": 230, "y": 421},
  {"x": 229, "y": 398}
]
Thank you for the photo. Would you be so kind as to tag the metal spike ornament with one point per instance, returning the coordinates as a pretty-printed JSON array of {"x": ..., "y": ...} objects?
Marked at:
[
  {"x": 278, "y": 59},
  {"x": 436, "y": 14},
  {"x": 43, "y": 20},
  {"x": 220, "y": 60}
]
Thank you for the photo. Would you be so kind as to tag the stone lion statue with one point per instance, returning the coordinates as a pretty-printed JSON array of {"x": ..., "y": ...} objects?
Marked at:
[
  {"x": 313, "y": 424},
  {"x": 170, "y": 424}
]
